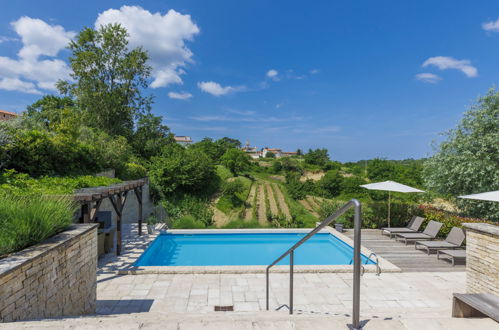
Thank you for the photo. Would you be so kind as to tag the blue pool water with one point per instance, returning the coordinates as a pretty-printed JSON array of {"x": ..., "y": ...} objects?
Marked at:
[{"x": 232, "y": 249}]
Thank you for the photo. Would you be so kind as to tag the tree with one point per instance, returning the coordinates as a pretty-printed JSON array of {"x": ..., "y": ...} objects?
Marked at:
[
  {"x": 227, "y": 143},
  {"x": 178, "y": 170},
  {"x": 317, "y": 157},
  {"x": 236, "y": 161},
  {"x": 380, "y": 170},
  {"x": 55, "y": 112},
  {"x": 299, "y": 152},
  {"x": 150, "y": 136},
  {"x": 468, "y": 160},
  {"x": 108, "y": 79},
  {"x": 330, "y": 184}
]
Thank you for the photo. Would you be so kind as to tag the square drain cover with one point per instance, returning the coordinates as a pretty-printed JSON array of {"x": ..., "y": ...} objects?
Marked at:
[{"x": 224, "y": 308}]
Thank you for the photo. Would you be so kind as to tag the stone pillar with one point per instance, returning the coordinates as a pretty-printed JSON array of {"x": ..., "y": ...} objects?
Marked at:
[{"x": 482, "y": 258}]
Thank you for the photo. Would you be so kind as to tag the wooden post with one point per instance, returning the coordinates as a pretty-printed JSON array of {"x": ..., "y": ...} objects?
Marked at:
[
  {"x": 118, "y": 203},
  {"x": 138, "y": 193},
  {"x": 85, "y": 213}
]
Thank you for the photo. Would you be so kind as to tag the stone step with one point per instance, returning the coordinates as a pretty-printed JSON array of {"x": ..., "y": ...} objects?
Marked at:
[{"x": 243, "y": 321}]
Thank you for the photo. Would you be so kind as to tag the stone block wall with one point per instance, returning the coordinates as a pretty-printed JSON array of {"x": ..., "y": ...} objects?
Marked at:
[
  {"x": 54, "y": 278},
  {"x": 482, "y": 258}
]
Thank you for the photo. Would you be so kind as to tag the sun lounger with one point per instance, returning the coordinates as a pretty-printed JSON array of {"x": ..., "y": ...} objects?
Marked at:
[
  {"x": 412, "y": 227},
  {"x": 452, "y": 254},
  {"x": 453, "y": 241},
  {"x": 429, "y": 233}
]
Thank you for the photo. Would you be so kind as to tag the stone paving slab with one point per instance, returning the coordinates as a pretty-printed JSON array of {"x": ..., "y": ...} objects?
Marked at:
[
  {"x": 392, "y": 295},
  {"x": 250, "y": 321}
]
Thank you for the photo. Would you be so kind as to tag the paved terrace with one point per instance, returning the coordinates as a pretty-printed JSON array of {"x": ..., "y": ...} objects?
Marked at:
[
  {"x": 404, "y": 256},
  {"x": 407, "y": 300}
]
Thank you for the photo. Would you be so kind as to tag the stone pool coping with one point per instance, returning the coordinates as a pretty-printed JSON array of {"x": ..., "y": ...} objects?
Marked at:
[{"x": 128, "y": 267}]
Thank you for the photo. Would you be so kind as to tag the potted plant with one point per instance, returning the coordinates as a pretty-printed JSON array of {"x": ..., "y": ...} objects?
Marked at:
[{"x": 151, "y": 224}]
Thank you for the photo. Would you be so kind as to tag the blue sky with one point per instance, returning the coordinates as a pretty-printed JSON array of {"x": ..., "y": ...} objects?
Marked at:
[{"x": 362, "y": 78}]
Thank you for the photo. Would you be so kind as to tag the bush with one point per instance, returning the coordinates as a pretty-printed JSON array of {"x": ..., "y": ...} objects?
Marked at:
[
  {"x": 188, "y": 205},
  {"x": 374, "y": 214},
  {"x": 133, "y": 171},
  {"x": 330, "y": 184},
  {"x": 448, "y": 219},
  {"x": 22, "y": 184},
  {"x": 27, "y": 220},
  {"x": 238, "y": 223},
  {"x": 180, "y": 171},
  {"x": 188, "y": 222}
]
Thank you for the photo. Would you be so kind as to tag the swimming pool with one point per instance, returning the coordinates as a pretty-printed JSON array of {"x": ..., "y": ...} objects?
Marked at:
[{"x": 244, "y": 249}]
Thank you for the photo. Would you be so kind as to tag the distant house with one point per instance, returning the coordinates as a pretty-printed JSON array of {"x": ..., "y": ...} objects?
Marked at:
[
  {"x": 6, "y": 115},
  {"x": 277, "y": 152},
  {"x": 251, "y": 151},
  {"x": 183, "y": 140},
  {"x": 289, "y": 153}
]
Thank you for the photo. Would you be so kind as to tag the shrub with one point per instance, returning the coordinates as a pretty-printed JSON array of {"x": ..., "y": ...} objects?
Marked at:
[
  {"x": 188, "y": 205},
  {"x": 330, "y": 184},
  {"x": 133, "y": 171},
  {"x": 238, "y": 223},
  {"x": 27, "y": 220},
  {"x": 374, "y": 214},
  {"x": 179, "y": 171},
  {"x": 448, "y": 219},
  {"x": 188, "y": 222},
  {"x": 22, "y": 184}
]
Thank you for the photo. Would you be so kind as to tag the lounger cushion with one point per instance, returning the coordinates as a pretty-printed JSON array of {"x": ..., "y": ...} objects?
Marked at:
[
  {"x": 415, "y": 236},
  {"x": 399, "y": 230},
  {"x": 437, "y": 244},
  {"x": 455, "y": 253}
]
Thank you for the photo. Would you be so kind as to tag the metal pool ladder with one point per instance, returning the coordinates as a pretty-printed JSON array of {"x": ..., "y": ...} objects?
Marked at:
[{"x": 356, "y": 257}]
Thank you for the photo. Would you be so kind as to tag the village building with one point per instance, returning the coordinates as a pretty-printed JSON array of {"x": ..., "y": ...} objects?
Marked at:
[
  {"x": 251, "y": 151},
  {"x": 6, "y": 115},
  {"x": 183, "y": 140}
]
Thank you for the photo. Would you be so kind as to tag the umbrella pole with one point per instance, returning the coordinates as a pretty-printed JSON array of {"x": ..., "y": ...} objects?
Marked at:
[{"x": 388, "y": 209}]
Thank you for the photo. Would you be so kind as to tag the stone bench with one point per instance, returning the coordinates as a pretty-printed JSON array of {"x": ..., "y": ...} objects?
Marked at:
[{"x": 476, "y": 305}]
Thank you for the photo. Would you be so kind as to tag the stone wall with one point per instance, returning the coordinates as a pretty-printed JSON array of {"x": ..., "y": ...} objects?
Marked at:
[
  {"x": 482, "y": 258},
  {"x": 54, "y": 278}
]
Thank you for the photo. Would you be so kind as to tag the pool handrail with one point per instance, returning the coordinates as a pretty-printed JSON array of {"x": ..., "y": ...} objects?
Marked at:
[{"x": 357, "y": 260}]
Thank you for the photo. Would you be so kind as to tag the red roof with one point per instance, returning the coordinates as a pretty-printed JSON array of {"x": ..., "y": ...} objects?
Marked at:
[{"x": 9, "y": 113}]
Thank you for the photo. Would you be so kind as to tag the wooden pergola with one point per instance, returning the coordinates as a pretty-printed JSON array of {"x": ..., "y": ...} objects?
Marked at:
[{"x": 91, "y": 199}]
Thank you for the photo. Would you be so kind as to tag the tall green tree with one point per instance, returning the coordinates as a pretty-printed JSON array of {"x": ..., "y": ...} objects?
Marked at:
[
  {"x": 468, "y": 160},
  {"x": 236, "y": 161},
  {"x": 317, "y": 157},
  {"x": 108, "y": 79},
  {"x": 150, "y": 136}
]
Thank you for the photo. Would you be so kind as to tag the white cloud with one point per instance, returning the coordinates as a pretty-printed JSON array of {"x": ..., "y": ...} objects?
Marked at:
[
  {"x": 314, "y": 71},
  {"x": 216, "y": 89},
  {"x": 179, "y": 96},
  {"x": 163, "y": 36},
  {"x": 28, "y": 73},
  {"x": 15, "y": 84},
  {"x": 6, "y": 39},
  {"x": 428, "y": 77},
  {"x": 445, "y": 62},
  {"x": 273, "y": 74},
  {"x": 40, "y": 38},
  {"x": 492, "y": 26}
]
